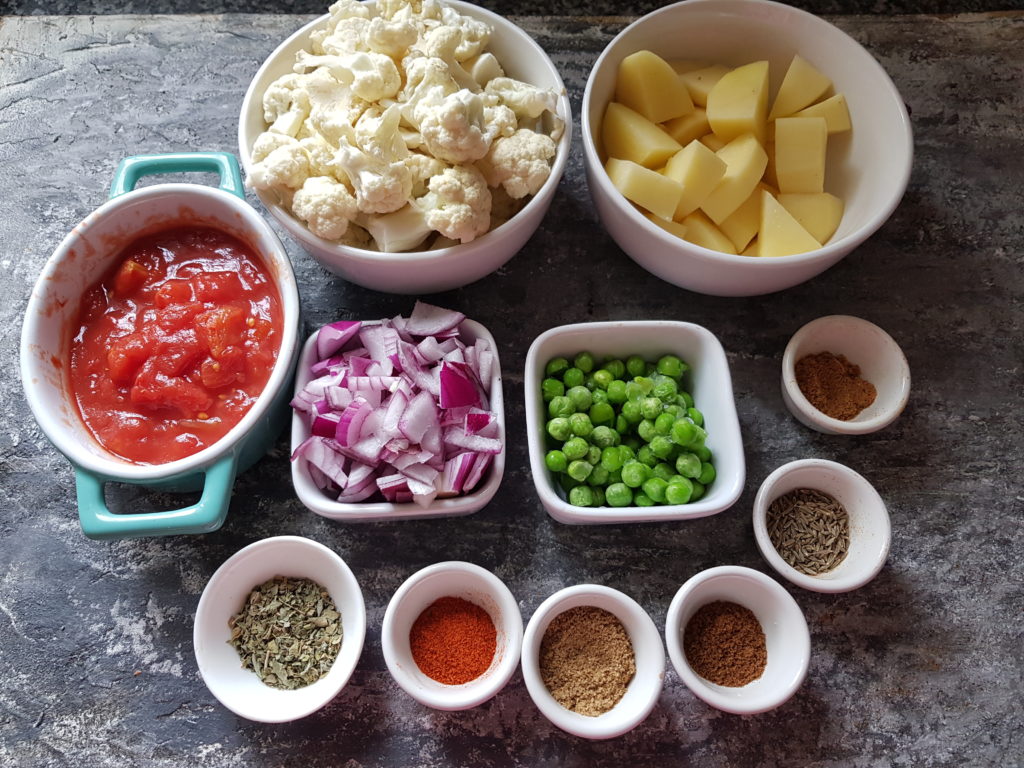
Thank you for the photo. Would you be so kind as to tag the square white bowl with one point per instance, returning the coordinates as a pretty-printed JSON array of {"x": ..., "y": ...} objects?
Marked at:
[
  {"x": 708, "y": 380},
  {"x": 318, "y": 501}
]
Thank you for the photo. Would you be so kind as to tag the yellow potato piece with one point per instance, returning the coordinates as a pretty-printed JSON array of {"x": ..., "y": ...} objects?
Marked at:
[
  {"x": 682, "y": 66},
  {"x": 754, "y": 249},
  {"x": 628, "y": 135},
  {"x": 802, "y": 86},
  {"x": 834, "y": 110},
  {"x": 819, "y": 214},
  {"x": 649, "y": 189},
  {"x": 698, "y": 170},
  {"x": 676, "y": 228},
  {"x": 712, "y": 142},
  {"x": 780, "y": 234},
  {"x": 689, "y": 127},
  {"x": 742, "y": 224},
  {"x": 648, "y": 85},
  {"x": 699, "y": 82},
  {"x": 745, "y": 162},
  {"x": 700, "y": 230},
  {"x": 800, "y": 144},
  {"x": 738, "y": 103}
]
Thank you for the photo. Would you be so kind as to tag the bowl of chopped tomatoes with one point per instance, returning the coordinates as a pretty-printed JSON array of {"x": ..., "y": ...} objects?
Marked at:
[{"x": 159, "y": 343}]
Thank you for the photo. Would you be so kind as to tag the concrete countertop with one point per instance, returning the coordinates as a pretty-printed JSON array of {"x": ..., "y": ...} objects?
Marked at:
[{"x": 921, "y": 667}]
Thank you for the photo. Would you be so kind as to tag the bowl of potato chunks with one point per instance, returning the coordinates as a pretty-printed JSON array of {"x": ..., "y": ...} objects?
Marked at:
[{"x": 741, "y": 147}]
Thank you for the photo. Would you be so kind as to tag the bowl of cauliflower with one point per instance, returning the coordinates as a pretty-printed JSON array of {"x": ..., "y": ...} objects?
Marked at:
[{"x": 410, "y": 146}]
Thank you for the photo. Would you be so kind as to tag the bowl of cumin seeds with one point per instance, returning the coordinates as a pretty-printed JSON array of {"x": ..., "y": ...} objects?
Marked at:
[{"x": 822, "y": 526}]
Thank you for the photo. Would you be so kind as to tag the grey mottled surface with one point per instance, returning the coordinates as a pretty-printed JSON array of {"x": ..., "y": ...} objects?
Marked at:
[{"x": 919, "y": 668}]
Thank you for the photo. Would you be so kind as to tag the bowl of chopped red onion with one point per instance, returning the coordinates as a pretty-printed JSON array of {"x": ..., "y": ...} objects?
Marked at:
[{"x": 398, "y": 418}]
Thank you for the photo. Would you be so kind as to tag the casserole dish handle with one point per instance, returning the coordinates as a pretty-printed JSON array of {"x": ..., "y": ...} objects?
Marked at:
[{"x": 224, "y": 164}]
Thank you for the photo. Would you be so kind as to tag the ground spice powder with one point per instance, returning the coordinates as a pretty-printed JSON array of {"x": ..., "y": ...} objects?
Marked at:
[
  {"x": 453, "y": 641},
  {"x": 587, "y": 660},
  {"x": 725, "y": 644},
  {"x": 833, "y": 385}
]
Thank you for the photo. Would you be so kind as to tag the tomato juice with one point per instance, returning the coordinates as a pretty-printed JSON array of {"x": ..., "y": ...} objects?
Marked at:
[{"x": 175, "y": 344}]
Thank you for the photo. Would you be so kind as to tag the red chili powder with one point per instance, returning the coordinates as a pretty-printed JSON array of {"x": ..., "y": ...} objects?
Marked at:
[{"x": 453, "y": 641}]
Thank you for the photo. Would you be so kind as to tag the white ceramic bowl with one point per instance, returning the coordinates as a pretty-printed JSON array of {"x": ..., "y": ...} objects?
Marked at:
[
  {"x": 870, "y": 529},
  {"x": 709, "y": 383},
  {"x": 317, "y": 501},
  {"x": 419, "y": 272},
  {"x": 787, "y": 638},
  {"x": 643, "y": 691},
  {"x": 868, "y": 168},
  {"x": 864, "y": 344},
  {"x": 451, "y": 579},
  {"x": 240, "y": 690}
]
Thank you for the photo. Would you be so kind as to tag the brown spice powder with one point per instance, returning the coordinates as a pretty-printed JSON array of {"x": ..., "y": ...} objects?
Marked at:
[
  {"x": 833, "y": 385},
  {"x": 587, "y": 660},
  {"x": 725, "y": 644}
]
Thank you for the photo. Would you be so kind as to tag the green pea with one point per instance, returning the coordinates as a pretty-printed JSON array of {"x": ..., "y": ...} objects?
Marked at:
[
  {"x": 650, "y": 407},
  {"x": 603, "y": 378},
  {"x": 663, "y": 423},
  {"x": 646, "y": 430},
  {"x": 616, "y": 368},
  {"x": 685, "y": 399},
  {"x": 646, "y": 456},
  {"x": 573, "y": 377},
  {"x": 670, "y": 365},
  {"x": 633, "y": 442},
  {"x": 621, "y": 425},
  {"x": 634, "y": 391},
  {"x": 561, "y": 406},
  {"x": 683, "y": 432},
  {"x": 584, "y": 361},
  {"x": 603, "y": 436},
  {"x": 631, "y": 411},
  {"x": 559, "y": 429},
  {"x": 628, "y": 452},
  {"x": 551, "y": 388},
  {"x": 599, "y": 396},
  {"x": 615, "y": 476},
  {"x": 580, "y": 470},
  {"x": 663, "y": 470},
  {"x": 575, "y": 448},
  {"x": 703, "y": 452},
  {"x": 598, "y": 491},
  {"x": 655, "y": 487},
  {"x": 665, "y": 390},
  {"x": 636, "y": 366},
  {"x": 556, "y": 461},
  {"x": 567, "y": 482},
  {"x": 593, "y": 455},
  {"x": 611, "y": 458},
  {"x": 698, "y": 491},
  {"x": 634, "y": 473},
  {"x": 617, "y": 392},
  {"x": 699, "y": 439},
  {"x": 688, "y": 465},
  {"x": 582, "y": 496},
  {"x": 556, "y": 366},
  {"x": 661, "y": 446},
  {"x": 602, "y": 413},
  {"x": 618, "y": 495},
  {"x": 696, "y": 416},
  {"x": 598, "y": 476},
  {"x": 643, "y": 500},
  {"x": 645, "y": 384},
  {"x": 707, "y": 474},
  {"x": 679, "y": 492},
  {"x": 580, "y": 397},
  {"x": 580, "y": 425}
]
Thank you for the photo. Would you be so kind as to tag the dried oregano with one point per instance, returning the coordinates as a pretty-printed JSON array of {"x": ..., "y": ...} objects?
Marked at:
[{"x": 288, "y": 632}]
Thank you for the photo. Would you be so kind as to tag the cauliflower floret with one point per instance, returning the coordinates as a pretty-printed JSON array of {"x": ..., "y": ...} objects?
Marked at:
[
  {"x": 399, "y": 231},
  {"x": 321, "y": 155},
  {"x": 520, "y": 163},
  {"x": 442, "y": 43},
  {"x": 381, "y": 187},
  {"x": 425, "y": 78},
  {"x": 473, "y": 34},
  {"x": 281, "y": 164},
  {"x": 524, "y": 99},
  {"x": 412, "y": 9},
  {"x": 391, "y": 37},
  {"x": 371, "y": 76},
  {"x": 377, "y": 134},
  {"x": 344, "y": 31},
  {"x": 286, "y": 104},
  {"x": 422, "y": 168},
  {"x": 326, "y": 206},
  {"x": 454, "y": 128},
  {"x": 334, "y": 108},
  {"x": 458, "y": 204}
]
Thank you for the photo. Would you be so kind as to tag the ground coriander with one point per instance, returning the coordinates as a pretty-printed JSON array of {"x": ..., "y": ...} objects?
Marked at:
[{"x": 833, "y": 385}]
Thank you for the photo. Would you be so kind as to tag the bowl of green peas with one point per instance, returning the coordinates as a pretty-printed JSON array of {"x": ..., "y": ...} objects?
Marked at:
[{"x": 632, "y": 421}]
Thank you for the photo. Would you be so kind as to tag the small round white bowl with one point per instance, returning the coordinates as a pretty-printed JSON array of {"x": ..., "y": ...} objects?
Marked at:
[
  {"x": 864, "y": 344},
  {"x": 710, "y": 384},
  {"x": 868, "y": 168},
  {"x": 420, "y": 272},
  {"x": 371, "y": 511},
  {"x": 239, "y": 689},
  {"x": 643, "y": 691},
  {"x": 870, "y": 529},
  {"x": 787, "y": 638},
  {"x": 451, "y": 579}
]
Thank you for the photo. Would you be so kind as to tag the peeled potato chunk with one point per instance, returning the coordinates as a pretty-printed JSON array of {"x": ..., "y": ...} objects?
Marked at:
[
  {"x": 699, "y": 82},
  {"x": 647, "y": 84},
  {"x": 738, "y": 103},
  {"x": 628, "y": 135},
  {"x": 712, "y": 142},
  {"x": 802, "y": 86},
  {"x": 780, "y": 234},
  {"x": 742, "y": 224},
  {"x": 700, "y": 230},
  {"x": 800, "y": 144},
  {"x": 745, "y": 162},
  {"x": 754, "y": 249},
  {"x": 649, "y": 189},
  {"x": 688, "y": 127},
  {"x": 819, "y": 214},
  {"x": 698, "y": 170},
  {"x": 835, "y": 112},
  {"x": 676, "y": 228},
  {"x": 682, "y": 66}
]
